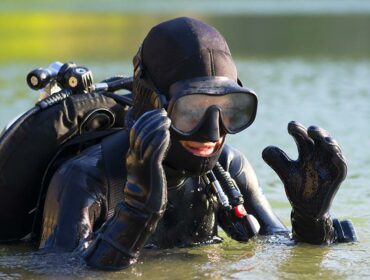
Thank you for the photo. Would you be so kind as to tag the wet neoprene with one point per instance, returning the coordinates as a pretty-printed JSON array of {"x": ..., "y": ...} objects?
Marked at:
[
  {"x": 311, "y": 181},
  {"x": 175, "y": 50},
  {"x": 145, "y": 196},
  {"x": 190, "y": 217}
]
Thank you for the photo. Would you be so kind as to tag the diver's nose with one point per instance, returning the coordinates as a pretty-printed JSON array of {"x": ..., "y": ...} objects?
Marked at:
[{"x": 210, "y": 128}]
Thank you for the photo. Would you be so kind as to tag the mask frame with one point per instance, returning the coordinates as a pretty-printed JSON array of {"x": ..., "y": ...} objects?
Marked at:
[
  {"x": 214, "y": 87},
  {"x": 157, "y": 99}
]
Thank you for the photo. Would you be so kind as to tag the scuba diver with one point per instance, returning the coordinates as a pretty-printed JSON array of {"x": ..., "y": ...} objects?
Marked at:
[{"x": 171, "y": 180}]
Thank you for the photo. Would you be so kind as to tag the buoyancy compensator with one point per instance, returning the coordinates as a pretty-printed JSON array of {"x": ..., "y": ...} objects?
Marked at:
[{"x": 72, "y": 106}]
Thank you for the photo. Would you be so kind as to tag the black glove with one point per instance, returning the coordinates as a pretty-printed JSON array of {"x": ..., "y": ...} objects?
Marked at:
[
  {"x": 146, "y": 187},
  {"x": 311, "y": 181},
  {"x": 145, "y": 196}
]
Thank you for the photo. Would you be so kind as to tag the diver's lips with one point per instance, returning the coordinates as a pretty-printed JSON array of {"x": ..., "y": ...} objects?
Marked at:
[{"x": 200, "y": 149}]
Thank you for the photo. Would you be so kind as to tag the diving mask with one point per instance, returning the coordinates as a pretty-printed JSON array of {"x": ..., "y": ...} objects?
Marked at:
[{"x": 191, "y": 100}]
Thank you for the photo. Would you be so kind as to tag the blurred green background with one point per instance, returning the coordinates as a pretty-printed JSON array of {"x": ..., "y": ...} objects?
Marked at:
[{"x": 43, "y": 30}]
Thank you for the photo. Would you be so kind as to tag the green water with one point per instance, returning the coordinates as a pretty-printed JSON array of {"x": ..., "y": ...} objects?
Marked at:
[{"x": 307, "y": 62}]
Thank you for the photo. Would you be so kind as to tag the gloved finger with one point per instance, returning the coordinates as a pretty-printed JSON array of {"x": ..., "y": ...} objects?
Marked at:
[
  {"x": 148, "y": 138},
  {"x": 341, "y": 165},
  {"x": 155, "y": 153},
  {"x": 158, "y": 147},
  {"x": 330, "y": 148},
  {"x": 139, "y": 123},
  {"x": 147, "y": 131},
  {"x": 278, "y": 161},
  {"x": 136, "y": 128},
  {"x": 334, "y": 151},
  {"x": 323, "y": 140},
  {"x": 163, "y": 147},
  {"x": 304, "y": 142},
  {"x": 317, "y": 134}
]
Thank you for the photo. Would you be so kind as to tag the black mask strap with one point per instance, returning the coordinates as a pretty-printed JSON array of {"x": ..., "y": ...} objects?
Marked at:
[{"x": 146, "y": 95}]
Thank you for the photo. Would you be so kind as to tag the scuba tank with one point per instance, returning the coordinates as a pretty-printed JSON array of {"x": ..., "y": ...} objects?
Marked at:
[{"x": 73, "y": 106}]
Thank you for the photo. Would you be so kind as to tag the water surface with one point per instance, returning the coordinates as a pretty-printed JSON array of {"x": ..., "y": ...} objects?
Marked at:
[{"x": 313, "y": 69}]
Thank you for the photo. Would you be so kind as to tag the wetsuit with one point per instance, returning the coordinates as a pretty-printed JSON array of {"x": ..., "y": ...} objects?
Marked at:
[
  {"x": 77, "y": 202},
  {"x": 186, "y": 98}
]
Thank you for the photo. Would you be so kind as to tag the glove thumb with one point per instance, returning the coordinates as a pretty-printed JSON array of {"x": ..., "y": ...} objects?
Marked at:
[{"x": 278, "y": 161}]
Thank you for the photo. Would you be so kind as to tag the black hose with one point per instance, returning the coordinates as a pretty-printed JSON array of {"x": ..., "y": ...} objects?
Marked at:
[
  {"x": 222, "y": 198},
  {"x": 228, "y": 185}
]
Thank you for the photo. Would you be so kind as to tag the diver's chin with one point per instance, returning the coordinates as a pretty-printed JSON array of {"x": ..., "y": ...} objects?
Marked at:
[{"x": 202, "y": 149}]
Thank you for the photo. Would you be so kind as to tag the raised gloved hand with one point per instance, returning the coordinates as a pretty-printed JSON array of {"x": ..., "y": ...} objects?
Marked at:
[
  {"x": 146, "y": 187},
  {"x": 311, "y": 181},
  {"x": 145, "y": 196}
]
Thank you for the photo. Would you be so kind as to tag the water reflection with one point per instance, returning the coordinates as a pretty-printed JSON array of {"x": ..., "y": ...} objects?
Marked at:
[
  {"x": 330, "y": 93},
  {"x": 306, "y": 262}
]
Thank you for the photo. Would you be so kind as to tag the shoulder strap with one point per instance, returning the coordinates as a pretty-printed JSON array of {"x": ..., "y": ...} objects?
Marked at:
[
  {"x": 114, "y": 149},
  {"x": 75, "y": 143}
]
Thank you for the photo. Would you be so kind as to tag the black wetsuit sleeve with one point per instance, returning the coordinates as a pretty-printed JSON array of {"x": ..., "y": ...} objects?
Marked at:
[
  {"x": 255, "y": 201},
  {"x": 75, "y": 203}
]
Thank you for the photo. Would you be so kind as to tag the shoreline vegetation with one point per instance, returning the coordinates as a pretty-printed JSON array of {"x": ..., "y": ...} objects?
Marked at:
[{"x": 68, "y": 35}]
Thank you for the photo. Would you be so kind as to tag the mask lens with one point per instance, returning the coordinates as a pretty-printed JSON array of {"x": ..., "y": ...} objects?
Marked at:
[
  {"x": 237, "y": 110},
  {"x": 188, "y": 111}
]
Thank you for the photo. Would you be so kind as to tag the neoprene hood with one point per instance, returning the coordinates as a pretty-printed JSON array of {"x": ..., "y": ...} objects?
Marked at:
[{"x": 175, "y": 50}]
